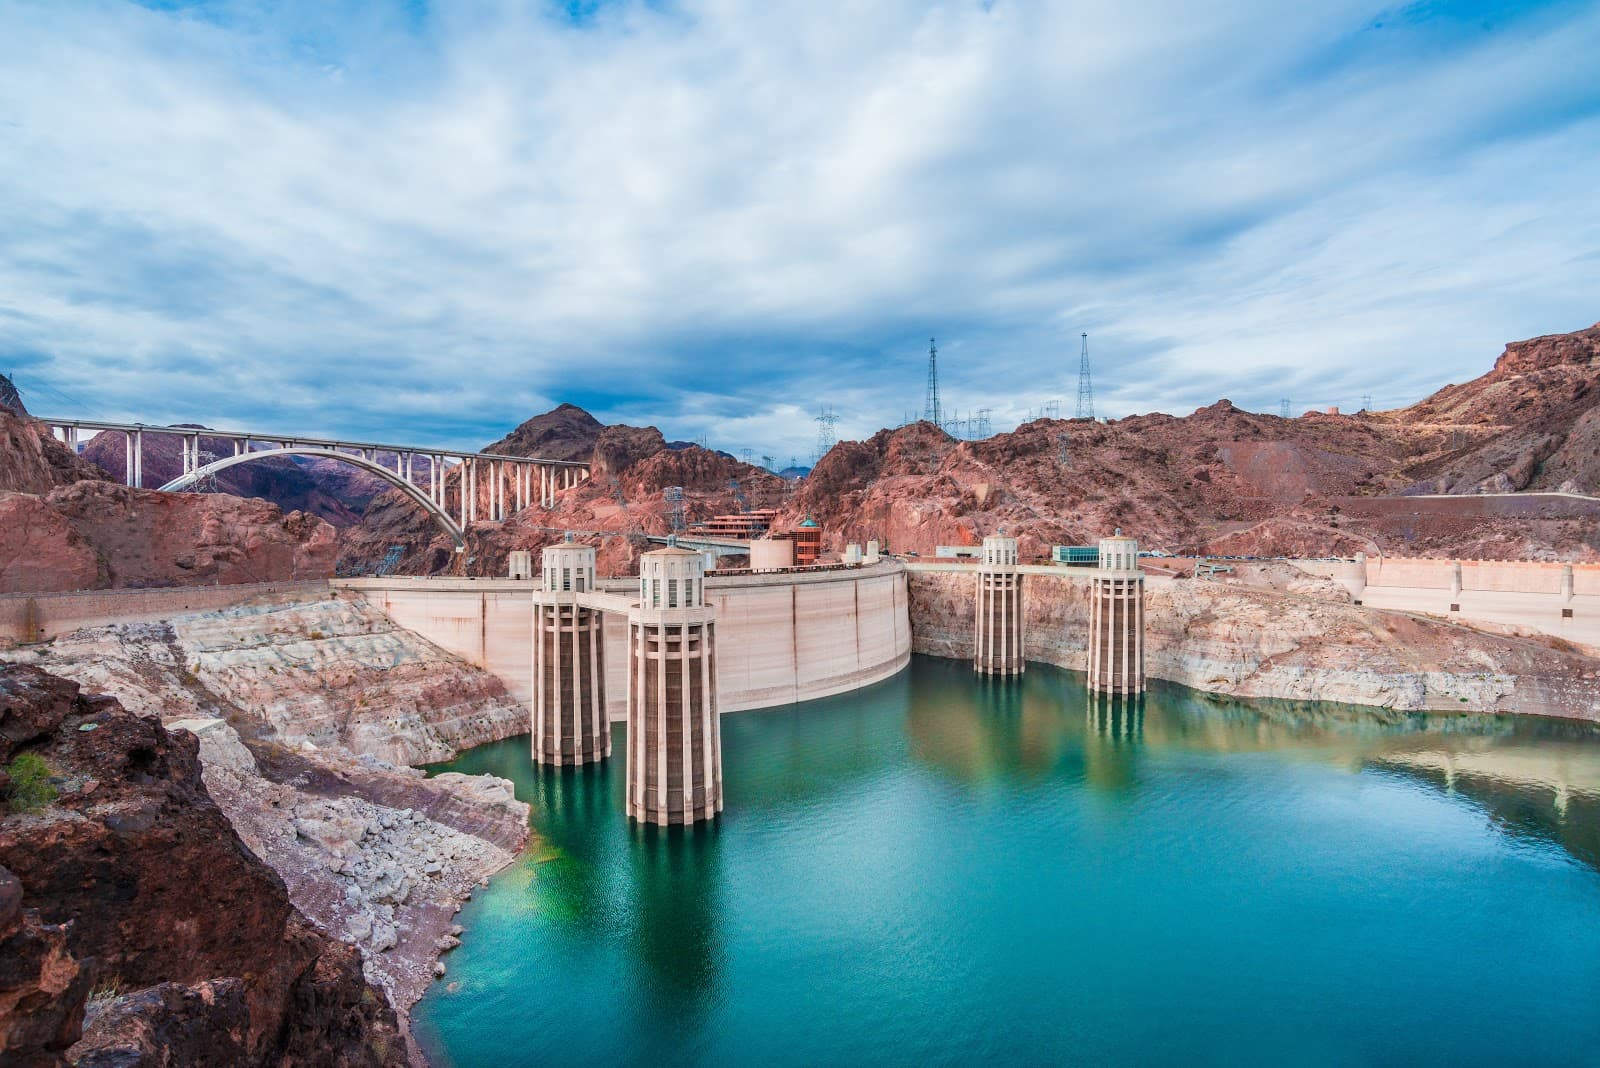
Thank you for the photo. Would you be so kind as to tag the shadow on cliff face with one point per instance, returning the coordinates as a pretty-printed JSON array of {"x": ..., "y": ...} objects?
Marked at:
[{"x": 135, "y": 926}]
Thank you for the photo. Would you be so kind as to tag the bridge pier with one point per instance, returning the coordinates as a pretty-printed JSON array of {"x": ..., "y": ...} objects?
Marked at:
[
  {"x": 569, "y": 703},
  {"x": 674, "y": 738},
  {"x": 1116, "y": 619},
  {"x": 998, "y": 631}
]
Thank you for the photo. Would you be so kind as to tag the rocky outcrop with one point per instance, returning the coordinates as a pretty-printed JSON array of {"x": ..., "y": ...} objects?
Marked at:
[
  {"x": 340, "y": 673},
  {"x": 1226, "y": 480},
  {"x": 161, "y": 901},
  {"x": 40, "y": 550},
  {"x": 376, "y": 854},
  {"x": 334, "y": 674},
  {"x": 566, "y": 432},
  {"x": 1531, "y": 423},
  {"x": 10, "y": 399},
  {"x": 302, "y": 712},
  {"x": 65, "y": 525},
  {"x": 32, "y": 461},
  {"x": 43, "y": 987},
  {"x": 146, "y": 538},
  {"x": 1301, "y": 641}
]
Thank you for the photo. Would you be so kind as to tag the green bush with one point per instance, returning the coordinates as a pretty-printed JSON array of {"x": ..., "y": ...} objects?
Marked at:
[{"x": 31, "y": 788}]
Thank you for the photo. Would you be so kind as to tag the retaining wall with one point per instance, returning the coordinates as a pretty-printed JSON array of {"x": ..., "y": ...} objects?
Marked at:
[
  {"x": 32, "y": 617},
  {"x": 1489, "y": 576}
]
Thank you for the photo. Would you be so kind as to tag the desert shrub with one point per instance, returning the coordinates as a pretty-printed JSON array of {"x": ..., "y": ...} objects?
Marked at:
[{"x": 31, "y": 788}]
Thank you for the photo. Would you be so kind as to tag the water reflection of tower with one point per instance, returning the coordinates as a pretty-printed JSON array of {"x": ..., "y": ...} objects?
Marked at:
[
  {"x": 987, "y": 729},
  {"x": 677, "y": 883},
  {"x": 1113, "y": 739},
  {"x": 1116, "y": 718}
]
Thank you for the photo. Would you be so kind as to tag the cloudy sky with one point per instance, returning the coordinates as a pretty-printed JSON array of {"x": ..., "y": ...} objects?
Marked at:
[{"x": 427, "y": 221}]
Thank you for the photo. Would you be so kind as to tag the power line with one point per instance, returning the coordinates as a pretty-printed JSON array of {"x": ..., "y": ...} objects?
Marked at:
[{"x": 37, "y": 382}]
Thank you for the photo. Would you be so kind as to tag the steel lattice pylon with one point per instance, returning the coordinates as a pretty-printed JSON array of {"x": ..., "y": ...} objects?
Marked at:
[{"x": 1085, "y": 387}]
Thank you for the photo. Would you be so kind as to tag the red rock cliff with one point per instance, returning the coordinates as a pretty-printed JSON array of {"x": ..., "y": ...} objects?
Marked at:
[{"x": 133, "y": 881}]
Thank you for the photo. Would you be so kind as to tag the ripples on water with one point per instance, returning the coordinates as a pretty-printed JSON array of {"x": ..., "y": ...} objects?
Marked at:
[{"x": 943, "y": 869}]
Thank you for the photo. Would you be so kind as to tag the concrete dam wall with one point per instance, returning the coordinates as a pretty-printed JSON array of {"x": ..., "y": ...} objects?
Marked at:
[{"x": 780, "y": 638}]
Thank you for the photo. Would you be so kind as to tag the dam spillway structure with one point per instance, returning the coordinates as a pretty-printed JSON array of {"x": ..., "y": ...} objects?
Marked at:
[
  {"x": 1116, "y": 619},
  {"x": 569, "y": 678},
  {"x": 674, "y": 738},
  {"x": 997, "y": 648}
]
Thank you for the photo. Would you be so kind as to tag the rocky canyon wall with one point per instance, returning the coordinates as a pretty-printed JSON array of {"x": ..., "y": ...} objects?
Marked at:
[
  {"x": 305, "y": 714},
  {"x": 1252, "y": 642},
  {"x": 64, "y": 525},
  {"x": 133, "y": 884}
]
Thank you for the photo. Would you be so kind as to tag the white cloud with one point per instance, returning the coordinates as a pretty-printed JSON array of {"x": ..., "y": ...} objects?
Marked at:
[{"x": 718, "y": 216}]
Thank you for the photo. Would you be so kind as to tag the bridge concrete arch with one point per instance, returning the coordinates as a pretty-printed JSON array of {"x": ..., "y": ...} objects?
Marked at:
[{"x": 439, "y": 515}]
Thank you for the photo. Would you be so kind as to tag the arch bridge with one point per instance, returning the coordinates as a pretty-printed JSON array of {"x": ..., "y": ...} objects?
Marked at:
[{"x": 456, "y": 489}]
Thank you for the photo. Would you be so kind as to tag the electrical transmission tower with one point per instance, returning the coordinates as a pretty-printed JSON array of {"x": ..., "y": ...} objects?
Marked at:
[
  {"x": 1283, "y": 408},
  {"x": 826, "y": 438},
  {"x": 931, "y": 410},
  {"x": 674, "y": 499},
  {"x": 1085, "y": 387}
]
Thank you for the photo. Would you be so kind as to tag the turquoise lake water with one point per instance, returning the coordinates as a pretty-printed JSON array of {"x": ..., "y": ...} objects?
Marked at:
[{"x": 946, "y": 870}]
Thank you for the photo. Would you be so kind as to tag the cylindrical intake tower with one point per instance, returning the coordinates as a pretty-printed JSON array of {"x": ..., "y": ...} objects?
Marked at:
[
  {"x": 998, "y": 630},
  {"x": 569, "y": 671},
  {"x": 1116, "y": 619},
  {"x": 674, "y": 740}
]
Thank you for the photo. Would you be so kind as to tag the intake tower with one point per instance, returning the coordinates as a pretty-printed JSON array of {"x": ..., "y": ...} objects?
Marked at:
[{"x": 674, "y": 740}]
